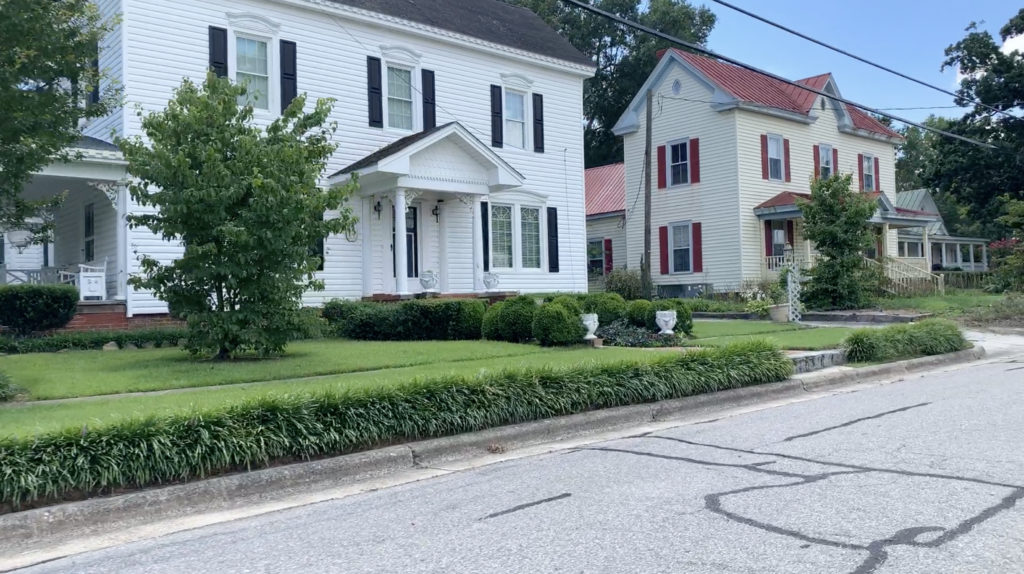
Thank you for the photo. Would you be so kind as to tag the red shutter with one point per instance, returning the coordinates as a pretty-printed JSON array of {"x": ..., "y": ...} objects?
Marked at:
[
  {"x": 663, "y": 247},
  {"x": 835, "y": 161},
  {"x": 695, "y": 160},
  {"x": 767, "y": 238},
  {"x": 790, "y": 233},
  {"x": 817, "y": 162},
  {"x": 662, "y": 176},
  {"x": 860, "y": 170},
  {"x": 878, "y": 178},
  {"x": 609, "y": 265},
  {"x": 785, "y": 151},
  {"x": 764, "y": 156},
  {"x": 698, "y": 250}
]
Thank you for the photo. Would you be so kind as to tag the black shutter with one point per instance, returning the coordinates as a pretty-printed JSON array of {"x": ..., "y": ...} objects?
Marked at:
[
  {"x": 219, "y": 51},
  {"x": 486, "y": 227},
  {"x": 289, "y": 74},
  {"x": 538, "y": 123},
  {"x": 553, "y": 239},
  {"x": 429, "y": 102},
  {"x": 94, "y": 95},
  {"x": 497, "y": 118},
  {"x": 375, "y": 92}
]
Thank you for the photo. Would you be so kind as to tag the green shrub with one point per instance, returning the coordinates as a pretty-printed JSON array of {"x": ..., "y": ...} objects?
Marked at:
[
  {"x": 624, "y": 282},
  {"x": 513, "y": 321},
  {"x": 138, "y": 452},
  {"x": 624, "y": 334},
  {"x": 571, "y": 303},
  {"x": 8, "y": 390},
  {"x": 684, "y": 319},
  {"x": 492, "y": 320},
  {"x": 555, "y": 325},
  {"x": 760, "y": 307},
  {"x": 714, "y": 306},
  {"x": 89, "y": 340},
  {"x": 417, "y": 320},
  {"x": 637, "y": 312},
  {"x": 929, "y": 337},
  {"x": 27, "y": 309},
  {"x": 610, "y": 307}
]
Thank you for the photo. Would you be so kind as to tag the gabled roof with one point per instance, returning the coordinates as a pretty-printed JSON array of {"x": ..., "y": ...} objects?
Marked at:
[
  {"x": 489, "y": 20},
  {"x": 921, "y": 200},
  {"x": 783, "y": 199},
  {"x": 94, "y": 144},
  {"x": 390, "y": 149},
  {"x": 605, "y": 189}
]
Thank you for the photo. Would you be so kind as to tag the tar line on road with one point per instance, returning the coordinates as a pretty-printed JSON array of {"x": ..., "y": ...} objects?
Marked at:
[
  {"x": 527, "y": 505},
  {"x": 855, "y": 421}
]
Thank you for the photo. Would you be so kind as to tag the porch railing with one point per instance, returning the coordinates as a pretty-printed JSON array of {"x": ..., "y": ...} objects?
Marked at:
[
  {"x": 91, "y": 280},
  {"x": 906, "y": 279},
  {"x": 771, "y": 266}
]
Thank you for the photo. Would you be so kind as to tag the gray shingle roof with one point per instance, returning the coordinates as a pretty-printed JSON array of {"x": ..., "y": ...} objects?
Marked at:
[
  {"x": 95, "y": 144},
  {"x": 489, "y": 20}
]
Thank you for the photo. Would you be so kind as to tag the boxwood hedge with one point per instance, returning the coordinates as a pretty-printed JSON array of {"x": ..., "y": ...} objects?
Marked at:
[{"x": 906, "y": 341}]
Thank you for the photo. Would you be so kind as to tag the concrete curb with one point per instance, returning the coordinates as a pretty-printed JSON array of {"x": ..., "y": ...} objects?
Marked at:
[{"x": 61, "y": 523}]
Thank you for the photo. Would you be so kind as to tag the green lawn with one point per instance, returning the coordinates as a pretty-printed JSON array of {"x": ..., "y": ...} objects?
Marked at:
[
  {"x": 795, "y": 340},
  {"x": 30, "y": 419},
  {"x": 90, "y": 373},
  {"x": 942, "y": 305},
  {"x": 706, "y": 329}
]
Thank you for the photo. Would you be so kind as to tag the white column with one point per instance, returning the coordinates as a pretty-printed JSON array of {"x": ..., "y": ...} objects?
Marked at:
[
  {"x": 927, "y": 251},
  {"x": 971, "y": 247},
  {"x": 478, "y": 245},
  {"x": 442, "y": 247},
  {"x": 401, "y": 257},
  {"x": 366, "y": 236},
  {"x": 959, "y": 256},
  {"x": 984, "y": 257},
  {"x": 885, "y": 240},
  {"x": 122, "y": 243},
  {"x": 942, "y": 251}
]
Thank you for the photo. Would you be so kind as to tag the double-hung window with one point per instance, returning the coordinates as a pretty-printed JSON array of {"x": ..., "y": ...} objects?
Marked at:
[
  {"x": 515, "y": 119},
  {"x": 400, "y": 108},
  {"x": 679, "y": 242},
  {"x": 679, "y": 163},
  {"x": 826, "y": 169},
  {"x": 778, "y": 238},
  {"x": 775, "y": 158},
  {"x": 253, "y": 67},
  {"x": 501, "y": 236},
  {"x": 529, "y": 223},
  {"x": 89, "y": 236},
  {"x": 595, "y": 257},
  {"x": 869, "y": 172}
]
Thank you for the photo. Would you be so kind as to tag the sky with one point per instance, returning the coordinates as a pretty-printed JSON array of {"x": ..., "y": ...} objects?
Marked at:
[{"x": 909, "y": 36}]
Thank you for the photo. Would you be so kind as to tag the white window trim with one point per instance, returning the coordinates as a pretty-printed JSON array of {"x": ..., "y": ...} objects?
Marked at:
[
  {"x": 273, "y": 67},
  {"x": 782, "y": 159},
  {"x": 671, "y": 254},
  {"x": 823, "y": 155},
  {"x": 527, "y": 117},
  {"x": 869, "y": 161},
  {"x": 414, "y": 76},
  {"x": 517, "y": 237},
  {"x": 668, "y": 163}
]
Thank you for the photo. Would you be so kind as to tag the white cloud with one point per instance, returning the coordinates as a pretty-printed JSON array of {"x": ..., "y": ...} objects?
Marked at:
[{"x": 1011, "y": 44}]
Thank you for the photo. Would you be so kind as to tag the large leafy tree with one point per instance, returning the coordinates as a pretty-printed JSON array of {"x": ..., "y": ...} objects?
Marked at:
[
  {"x": 978, "y": 177},
  {"x": 48, "y": 51},
  {"x": 836, "y": 220},
  {"x": 624, "y": 58},
  {"x": 246, "y": 205}
]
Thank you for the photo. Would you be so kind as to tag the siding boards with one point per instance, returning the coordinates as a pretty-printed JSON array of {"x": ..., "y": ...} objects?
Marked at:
[{"x": 111, "y": 61}]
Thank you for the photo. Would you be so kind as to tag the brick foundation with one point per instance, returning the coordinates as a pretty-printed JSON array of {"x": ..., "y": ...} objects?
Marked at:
[{"x": 106, "y": 316}]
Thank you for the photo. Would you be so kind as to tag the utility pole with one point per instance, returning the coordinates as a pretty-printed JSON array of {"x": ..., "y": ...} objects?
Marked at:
[{"x": 646, "y": 283}]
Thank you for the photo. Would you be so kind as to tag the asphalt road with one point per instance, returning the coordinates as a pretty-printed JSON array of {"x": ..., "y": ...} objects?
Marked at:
[{"x": 922, "y": 476}]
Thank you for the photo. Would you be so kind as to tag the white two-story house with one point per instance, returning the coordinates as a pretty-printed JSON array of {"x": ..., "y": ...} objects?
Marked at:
[
  {"x": 733, "y": 150},
  {"x": 462, "y": 119}
]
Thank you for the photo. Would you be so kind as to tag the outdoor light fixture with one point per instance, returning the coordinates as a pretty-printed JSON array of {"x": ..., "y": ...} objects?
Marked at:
[
  {"x": 436, "y": 212},
  {"x": 378, "y": 208}
]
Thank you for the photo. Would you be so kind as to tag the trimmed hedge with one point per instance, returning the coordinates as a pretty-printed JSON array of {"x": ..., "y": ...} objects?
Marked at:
[
  {"x": 280, "y": 428},
  {"x": 417, "y": 320},
  {"x": 610, "y": 307},
  {"x": 573, "y": 304},
  {"x": 89, "y": 340},
  {"x": 638, "y": 311},
  {"x": 905, "y": 341},
  {"x": 27, "y": 309},
  {"x": 555, "y": 324},
  {"x": 511, "y": 321}
]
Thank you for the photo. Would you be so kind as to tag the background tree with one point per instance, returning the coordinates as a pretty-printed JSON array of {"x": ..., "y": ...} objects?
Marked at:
[
  {"x": 245, "y": 204},
  {"x": 624, "y": 58},
  {"x": 977, "y": 177},
  {"x": 836, "y": 220},
  {"x": 47, "y": 72}
]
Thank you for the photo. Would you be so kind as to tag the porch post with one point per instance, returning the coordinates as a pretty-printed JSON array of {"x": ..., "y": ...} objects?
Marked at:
[
  {"x": 927, "y": 251},
  {"x": 122, "y": 243},
  {"x": 478, "y": 245},
  {"x": 442, "y": 244},
  {"x": 366, "y": 232},
  {"x": 984, "y": 257},
  {"x": 942, "y": 251},
  {"x": 401, "y": 257},
  {"x": 885, "y": 240},
  {"x": 971, "y": 247}
]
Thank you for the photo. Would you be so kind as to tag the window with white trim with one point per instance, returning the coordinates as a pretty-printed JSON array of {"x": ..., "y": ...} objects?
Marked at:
[
  {"x": 515, "y": 119},
  {"x": 400, "y": 100},
  {"x": 869, "y": 172},
  {"x": 826, "y": 169},
  {"x": 252, "y": 64},
  {"x": 595, "y": 257},
  {"x": 680, "y": 240},
  {"x": 501, "y": 236},
  {"x": 529, "y": 224},
  {"x": 775, "y": 158},
  {"x": 679, "y": 163}
]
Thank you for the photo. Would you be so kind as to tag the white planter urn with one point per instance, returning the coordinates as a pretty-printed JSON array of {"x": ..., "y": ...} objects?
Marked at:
[
  {"x": 428, "y": 281},
  {"x": 590, "y": 322},
  {"x": 779, "y": 313},
  {"x": 491, "y": 281},
  {"x": 666, "y": 320}
]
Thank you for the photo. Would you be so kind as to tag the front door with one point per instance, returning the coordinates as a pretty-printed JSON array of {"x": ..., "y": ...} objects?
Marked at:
[{"x": 412, "y": 255}]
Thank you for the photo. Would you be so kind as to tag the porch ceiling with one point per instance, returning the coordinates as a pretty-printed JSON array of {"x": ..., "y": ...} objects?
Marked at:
[{"x": 42, "y": 187}]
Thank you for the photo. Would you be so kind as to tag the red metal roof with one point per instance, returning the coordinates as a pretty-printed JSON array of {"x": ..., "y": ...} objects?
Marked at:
[
  {"x": 783, "y": 199},
  {"x": 605, "y": 189},
  {"x": 749, "y": 86}
]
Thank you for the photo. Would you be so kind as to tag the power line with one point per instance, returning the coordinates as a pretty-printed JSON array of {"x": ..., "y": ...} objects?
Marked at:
[
  {"x": 702, "y": 50},
  {"x": 856, "y": 57},
  {"x": 679, "y": 98}
]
